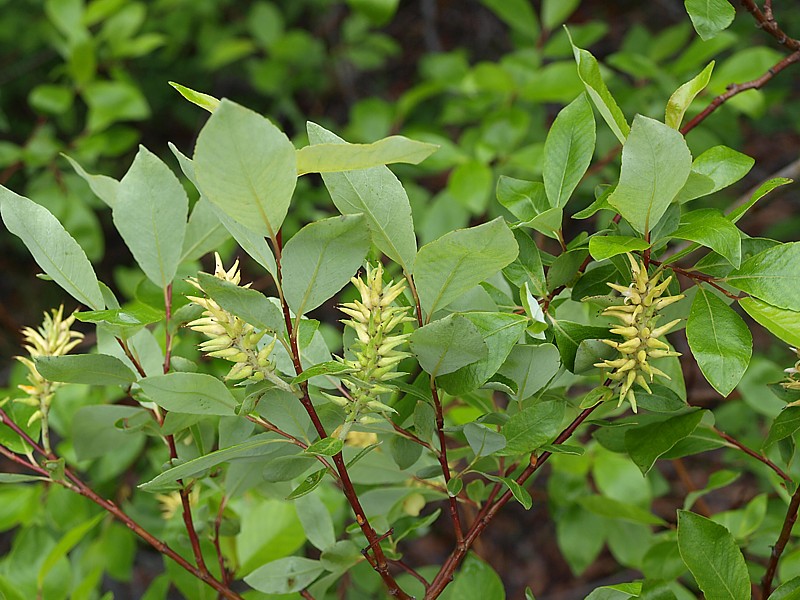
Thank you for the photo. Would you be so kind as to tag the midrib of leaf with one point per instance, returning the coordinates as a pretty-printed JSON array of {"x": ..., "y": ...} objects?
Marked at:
[
  {"x": 564, "y": 169},
  {"x": 252, "y": 188},
  {"x": 653, "y": 162},
  {"x": 307, "y": 293},
  {"x": 713, "y": 324},
  {"x": 200, "y": 241},
  {"x": 707, "y": 558},
  {"x": 157, "y": 239},
  {"x": 367, "y": 210},
  {"x": 445, "y": 286}
]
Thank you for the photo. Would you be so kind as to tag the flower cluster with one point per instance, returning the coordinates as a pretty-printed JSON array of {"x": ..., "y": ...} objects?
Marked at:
[
  {"x": 53, "y": 338},
  {"x": 643, "y": 299},
  {"x": 793, "y": 373},
  {"x": 376, "y": 349},
  {"x": 231, "y": 338}
]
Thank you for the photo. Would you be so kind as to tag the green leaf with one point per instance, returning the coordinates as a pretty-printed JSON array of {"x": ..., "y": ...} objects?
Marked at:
[
  {"x": 330, "y": 367},
  {"x": 531, "y": 368},
  {"x": 316, "y": 521},
  {"x": 446, "y": 345},
  {"x": 555, "y": 12},
  {"x": 717, "y": 480},
  {"x": 569, "y": 336},
  {"x": 483, "y": 440},
  {"x": 764, "y": 189},
  {"x": 93, "y": 369},
  {"x": 520, "y": 494},
  {"x": 285, "y": 575},
  {"x": 103, "y": 186},
  {"x": 308, "y": 485},
  {"x": 602, "y": 247},
  {"x": 500, "y": 332},
  {"x": 614, "y": 509},
  {"x": 783, "y": 324},
  {"x": 723, "y": 165},
  {"x": 204, "y": 232},
  {"x": 321, "y": 258},
  {"x": 532, "y": 427},
  {"x": 190, "y": 393},
  {"x": 709, "y": 17},
  {"x": 378, "y": 194},
  {"x": 150, "y": 214},
  {"x": 568, "y": 150},
  {"x": 713, "y": 557},
  {"x": 470, "y": 184},
  {"x": 113, "y": 101},
  {"x": 67, "y": 542},
  {"x": 99, "y": 430},
  {"x": 251, "y": 242},
  {"x": 325, "y": 447},
  {"x": 785, "y": 424},
  {"x": 527, "y": 200},
  {"x": 199, "y": 98},
  {"x": 682, "y": 98},
  {"x": 710, "y": 228},
  {"x": 517, "y": 14},
  {"x": 249, "y": 305},
  {"x": 646, "y": 443},
  {"x": 246, "y": 166},
  {"x": 53, "y": 249},
  {"x": 772, "y": 276},
  {"x": 333, "y": 158},
  {"x": 589, "y": 72},
  {"x": 122, "y": 322},
  {"x": 655, "y": 165},
  {"x": 527, "y": 267},
  {"x": 257, "y": 446},
  {"x": 788, "y": 591},
  {"x": 448, "y": 267},
  {"x": 476, "y": 580}
]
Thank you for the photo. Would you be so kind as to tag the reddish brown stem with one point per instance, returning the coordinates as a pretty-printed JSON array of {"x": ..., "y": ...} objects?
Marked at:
[
  {"x": 737, "y": 88},
  {"x": 490, "y": 509},
  {"x": 688, "y": 484},
  {"x": 442, "y": 456},
  {"x": 780, "y": 545},
  {"x": 712, "y": 281},
  {"x": 380, "y": 564},
  {"x": 750, "y": 452},
  {"x": 223, "y": 570},
  {"x": 78, "y": 486},
  {"x": 767, "y": 22}
]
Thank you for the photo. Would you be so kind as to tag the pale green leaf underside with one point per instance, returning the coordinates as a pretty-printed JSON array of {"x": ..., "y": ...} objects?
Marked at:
[
  {"x": 682, "y": 98},
  {"x": 448, "y": 344},
  {"x": 199, "y": 98},
  {"x": 150, "y": 215},
  {"x": 190, "y": 393},
  {"x": 655, "y": 164},
  {"x": 379, "y": 196},
  {"x": 321, "y": 258},
  {"x": 53, "y": 249},
  {"x": 460, "y": 260},
  {"x": 246, "y": 166},
  {"x": 333, "y": 158}
]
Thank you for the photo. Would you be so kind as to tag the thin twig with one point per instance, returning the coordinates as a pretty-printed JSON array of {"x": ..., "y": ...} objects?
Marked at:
[
  {"x": 768, "y": 24},
  {"x": 712, "y": 281},
  {"x": 442, "y": 456},
  {"x": 411, "y": 572},
  {"x": 490, "y": 509},
  {"x": 380, "y": 563},
  {"x": 77, "y": 485},
  {"x": 780, "y": 545},
  {"x": 750, "y": 452},
  {"x": 737, "y": 88},
  {"x": 688, "y": 484}
]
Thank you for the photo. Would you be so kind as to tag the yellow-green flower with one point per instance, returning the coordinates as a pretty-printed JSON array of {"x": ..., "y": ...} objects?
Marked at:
[
  {"x": 53, "y": 338},
  {"x": 793, "y": 374},
  {"x": 376, "y": 349},
  {"x": 638, "y": 316},
  {"x": 231, "y": 338}
]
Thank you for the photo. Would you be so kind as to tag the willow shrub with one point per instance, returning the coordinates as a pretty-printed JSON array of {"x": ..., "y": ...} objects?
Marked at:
[{"x": 289, "y": 457}]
